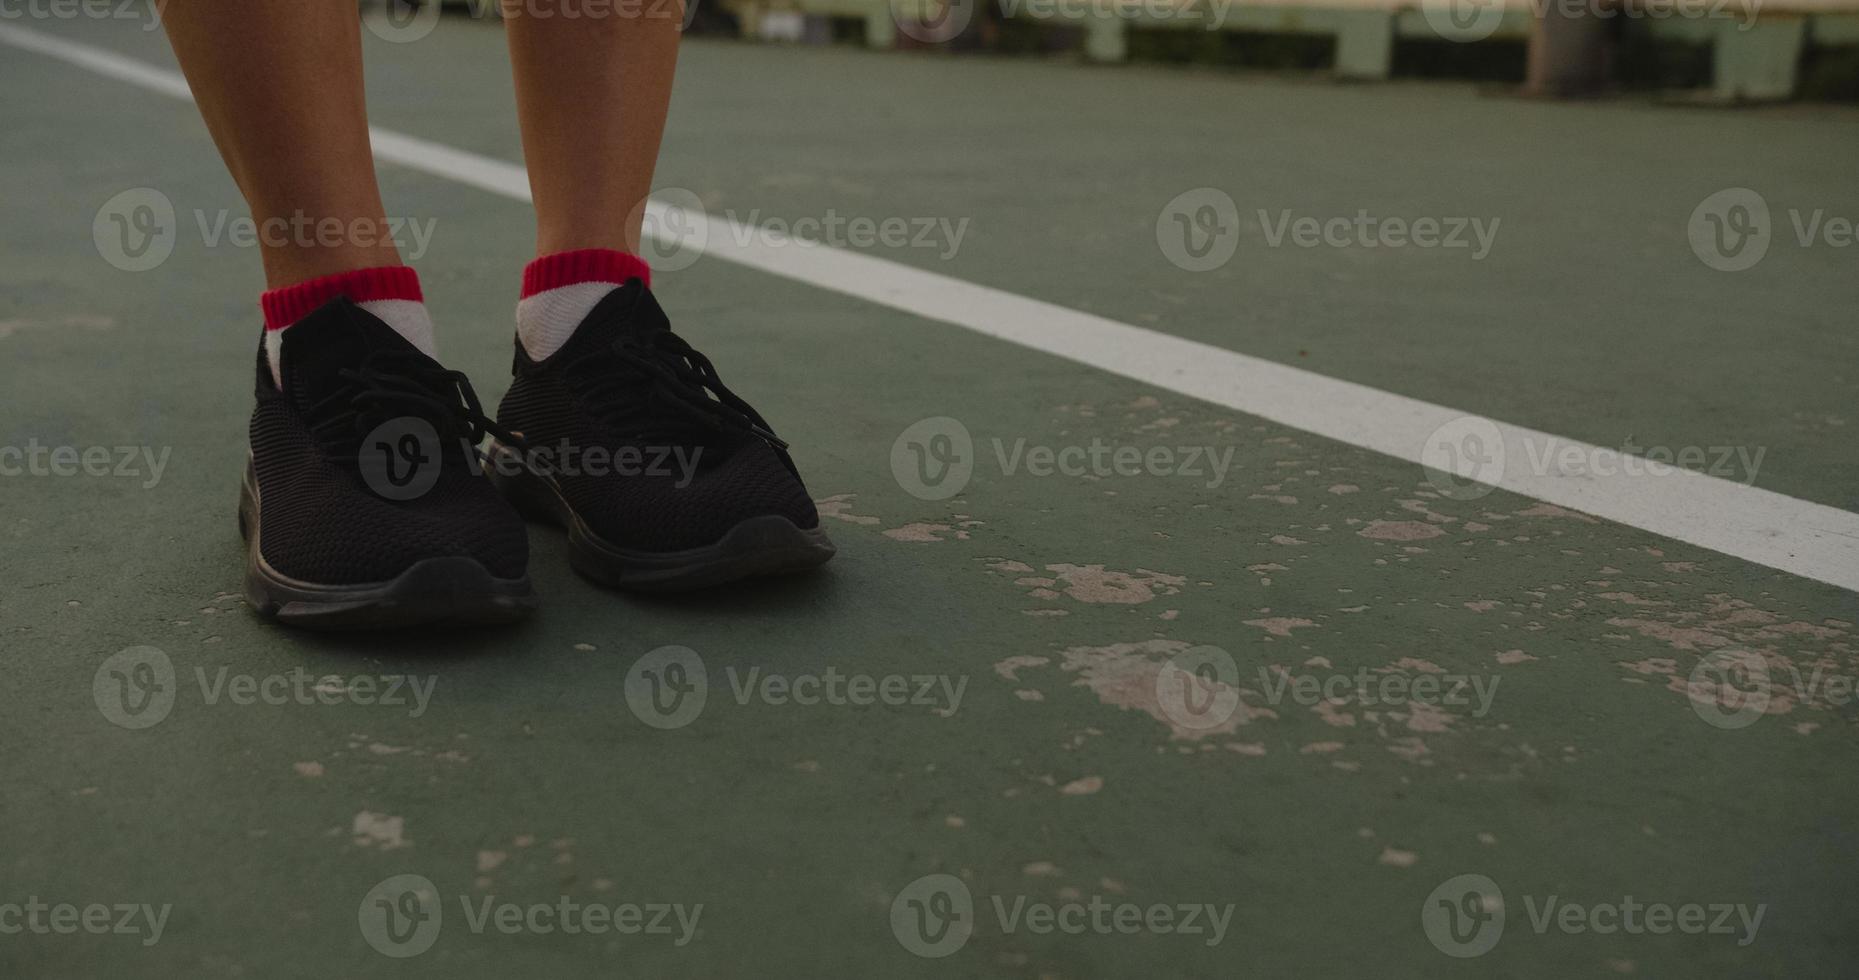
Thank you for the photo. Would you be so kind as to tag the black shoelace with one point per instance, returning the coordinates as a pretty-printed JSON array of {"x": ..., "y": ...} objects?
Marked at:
[
  {"x": 391, "y": 383},
  {"x": 676, "y": 379}
]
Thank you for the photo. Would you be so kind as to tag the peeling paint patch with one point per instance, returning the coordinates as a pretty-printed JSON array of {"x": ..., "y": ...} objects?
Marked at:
[
  {"x": 922, "y": 532},
  {"x": 1083, "y": 787},
  {"x": 1095, "y": 583},
  {"x": 1124, "y": 675},
  {"x": 371, "y": 829},
  {"x": 1396, "y": 858},
  {"x": 1280, "y": 625},
  {"x": 1509, "y": 657},
  {"x": 839, "y": 508},
  {"x": 1007, "y": 668},
  {"x": 488, "y": 861},
  {"x": 1399, "y": 531},
  {"x": 308, "y": 770}
]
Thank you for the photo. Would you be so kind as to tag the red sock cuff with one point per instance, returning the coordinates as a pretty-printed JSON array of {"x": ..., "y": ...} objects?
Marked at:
[
  {"x": 286, "y": 306},
  {"x": 583, "y": 265}
]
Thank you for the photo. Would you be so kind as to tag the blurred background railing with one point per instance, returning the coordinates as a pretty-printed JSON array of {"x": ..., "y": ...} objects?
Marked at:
[{"x": 1710, "y": 51}]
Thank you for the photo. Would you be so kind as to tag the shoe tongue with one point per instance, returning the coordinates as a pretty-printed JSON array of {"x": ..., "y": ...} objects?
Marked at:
[
  {"x": 338, "y": 335},
  {"x": 626, "y": 311}
]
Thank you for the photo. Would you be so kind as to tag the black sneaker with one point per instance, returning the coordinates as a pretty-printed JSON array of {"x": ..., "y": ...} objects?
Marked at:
[
  {"x": 363, "y": 505},
  {"x": 665, "y": 479}
]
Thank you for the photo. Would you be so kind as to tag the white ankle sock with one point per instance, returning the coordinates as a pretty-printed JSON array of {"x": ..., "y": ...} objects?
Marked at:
[
  {"x": 391, "y": 293},
  {"x": 560, "y": 290}
]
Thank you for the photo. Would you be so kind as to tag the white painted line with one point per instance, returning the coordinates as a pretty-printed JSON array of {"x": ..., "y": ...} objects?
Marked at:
[{"x": 1796, "y": 536}]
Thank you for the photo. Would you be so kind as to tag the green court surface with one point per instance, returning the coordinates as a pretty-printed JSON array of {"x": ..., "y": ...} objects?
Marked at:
[{"x": 1032, "y": 620}]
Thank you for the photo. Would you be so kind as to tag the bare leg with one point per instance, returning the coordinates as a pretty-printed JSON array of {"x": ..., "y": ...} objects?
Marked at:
[
  {"x": 591, "y": 93},
  {"x": 280, "y": 85}
]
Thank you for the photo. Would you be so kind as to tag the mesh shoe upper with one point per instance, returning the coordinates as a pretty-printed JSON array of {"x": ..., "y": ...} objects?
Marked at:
[
  {"x": 344, "y": 373},
  {"x": 626, "y": 384}
]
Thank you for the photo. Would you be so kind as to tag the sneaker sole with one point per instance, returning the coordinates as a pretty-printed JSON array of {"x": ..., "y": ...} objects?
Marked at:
[
  {"x": 765, "y": 545},
  {"x": 447, "y": 591}
]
